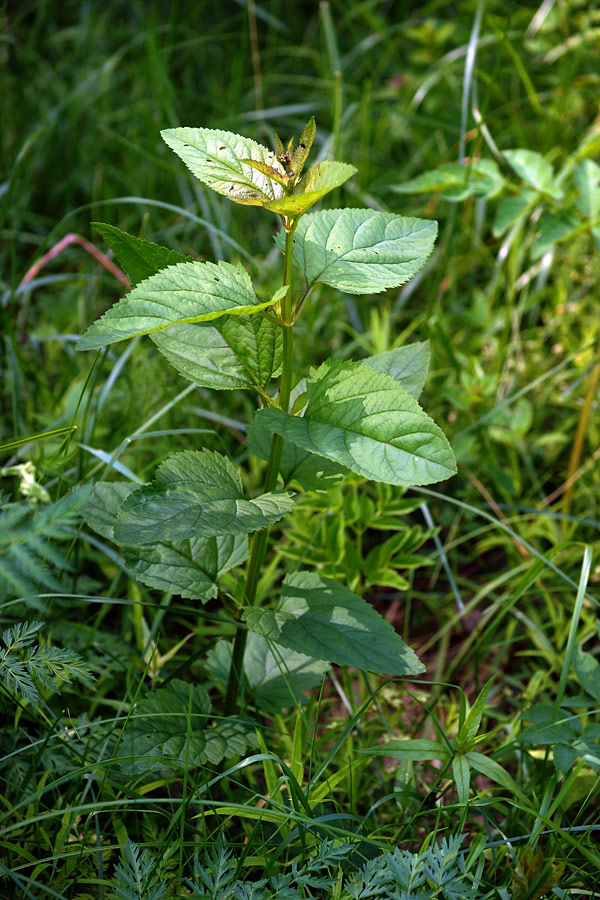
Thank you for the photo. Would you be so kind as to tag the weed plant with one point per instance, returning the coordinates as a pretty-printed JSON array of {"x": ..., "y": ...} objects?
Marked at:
[{"x": 480, "y": 777}]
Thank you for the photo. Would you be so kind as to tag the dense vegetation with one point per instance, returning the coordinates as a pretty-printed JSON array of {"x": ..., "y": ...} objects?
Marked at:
[{"x": 477, "y": 779}]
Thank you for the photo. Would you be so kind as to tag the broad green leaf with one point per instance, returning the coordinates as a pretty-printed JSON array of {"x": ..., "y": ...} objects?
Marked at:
[
  {"x": 564, "y": 756},
  {"x": 457, "y": 181},
  {"x": 418, "y": 749},
  {"x": 407, "y": 365},
  {"x": 363, "y": 420},
  {"x": 103, "y": 505},
  {"x": 201, "y": 354},
  {"x": 510, "y": 209},
  {"x": 311, "y": 472},
  {"x": 216, "y": 159},
  {"x": 170, "y": 728},
  {"x": 257, "y": 344},
  {"x": 199, "y": 493},
  {"x": 186, "y": 292},
  {"x": 190, "y": 567},
  {"x": 587, "y": 669},
  {"x": 587, "y": 181},
  {"x": 462, "y": 776},
  {"x": 323, "y": 618},
  {"x": 534, "y": 170},
  {"x": 468, "y": 732},
  {"x": 232, "y": 352},
  {"x": 360, "y": 251},
  {"x": 552, "y": 228},
  {"x": 487, "y": 766},
  {"x": 139, "y": 259},
  {"x": 277, "y": 676},
  {"x": 318, "y": 181}
]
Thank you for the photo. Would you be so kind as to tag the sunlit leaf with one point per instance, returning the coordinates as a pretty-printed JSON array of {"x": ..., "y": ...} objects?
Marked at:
[
  {"x": 184, "y": 293},
  {"x": 326, "y": 620},
  {"x": 407, "y": 365},
  {"x": 318, "y": 181},
  {"x": 365, "y": 421},
  {"x": 216, "y": 159},
  {"x": 360, "y": 251}
]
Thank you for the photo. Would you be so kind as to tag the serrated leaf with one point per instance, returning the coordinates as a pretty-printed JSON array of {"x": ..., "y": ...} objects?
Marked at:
[
  {"x": 257, "y": 343},
  {"x": 456, "y": 181},
  {"x": 587, "y": 669},
  {"x": 418, "y": 749},
  {"x": 184, "y": 293},
  {"x": 233, "y": 352},
  {"x": 277, "y": 676},
  {"x": 196, "y": 492},
  {"x": 363, "y": 420},
  {"x": 407, "y": 365},
  {"x": 552, "y": 228},
  {"x": 534, "y": 169},
  {"x": 462, "y": 776},
  {"x": 487, "y": 766},
  {"x": 310, "y": 471},
  {"x": 328, "y": 621},
  {"x": 103, "y": 505},
  {"x": 564, "y": 756},
  {"x": 360, "y": 251},
  {"x": 169, "y": 728},
  {"x": 189, "y": 568},
  {"x": 139, "y": 259},
  {"x": 201, "y": 354},
  {"x": 318, "y": 181},
  {"x": 216, "y": 159},
  {"x": 510, "y": 209}
]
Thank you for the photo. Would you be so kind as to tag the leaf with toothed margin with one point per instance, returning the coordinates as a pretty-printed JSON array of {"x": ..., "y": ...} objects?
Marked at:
[
  {"x": 216, "y": 158},
  {"x": 184, "y": 293},
  {"x": 360, "y": 251},
  {"x": 199, "y": 493},
  {"x": 138, "y": 258},
  {"x": 232, "y": 352},
  {"x": 172, "y": 728},
  {"x": 189, "y": 567},
  {"x": 365, "y": 421},
  {"x": 326, "y": 620}
]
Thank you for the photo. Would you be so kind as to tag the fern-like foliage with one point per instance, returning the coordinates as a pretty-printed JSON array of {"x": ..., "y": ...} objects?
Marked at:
[
  {"x": 136, "y": 878},
  {"x": 216, "y": 879},
  {"x": 437, "y": 873},
  {"x": 29, "y": 558},
  {"x": 25, "y": 664}
]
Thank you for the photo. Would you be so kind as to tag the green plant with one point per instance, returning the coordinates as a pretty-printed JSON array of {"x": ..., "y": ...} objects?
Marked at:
[{"x": 188, "y": 528}]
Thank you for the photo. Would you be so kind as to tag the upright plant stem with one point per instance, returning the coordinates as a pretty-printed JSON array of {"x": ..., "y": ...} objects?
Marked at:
[{"x": 261, "y": 539}]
